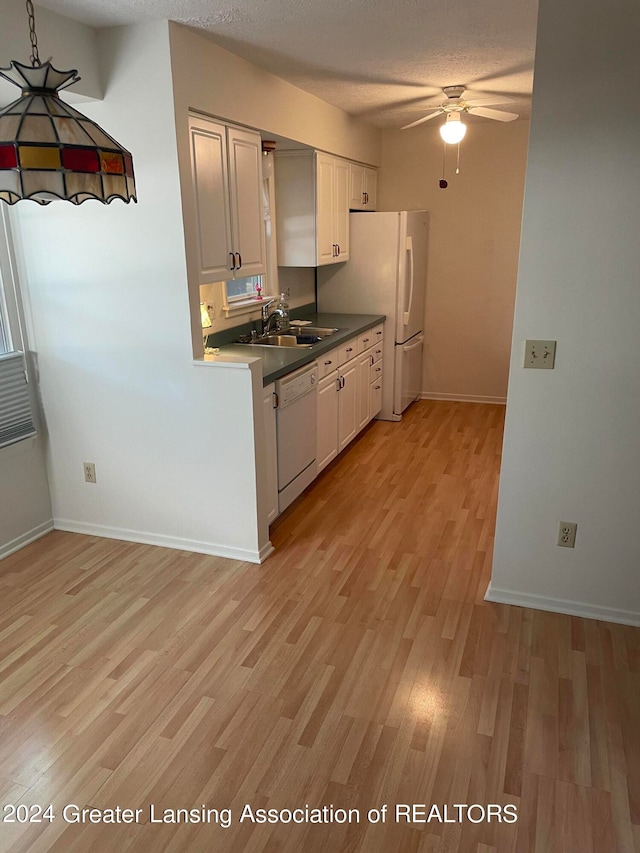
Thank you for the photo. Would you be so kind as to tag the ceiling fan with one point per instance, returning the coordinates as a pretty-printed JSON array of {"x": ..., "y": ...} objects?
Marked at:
[{"x": 453, "y": 129}]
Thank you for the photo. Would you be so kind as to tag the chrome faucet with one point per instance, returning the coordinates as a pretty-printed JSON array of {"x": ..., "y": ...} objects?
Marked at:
[
  {"x": 278, "y": 313},
  {"x": 268, "y": 316}
]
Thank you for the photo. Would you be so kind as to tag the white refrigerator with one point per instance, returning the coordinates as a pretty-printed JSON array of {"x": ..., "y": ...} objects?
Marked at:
[{"x": 386, "y": 274}]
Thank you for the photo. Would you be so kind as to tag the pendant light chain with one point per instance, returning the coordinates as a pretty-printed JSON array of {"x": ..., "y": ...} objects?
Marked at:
[{"x": 35, "y": 58}]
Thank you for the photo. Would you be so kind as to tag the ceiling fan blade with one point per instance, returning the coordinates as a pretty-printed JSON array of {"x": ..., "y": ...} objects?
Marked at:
[
  {"x": 498, "y": 115},
  {"x": 485, "y": 102},
  {"x": 423, "y": 119}
]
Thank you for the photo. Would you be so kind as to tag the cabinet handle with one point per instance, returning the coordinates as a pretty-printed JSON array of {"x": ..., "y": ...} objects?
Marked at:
[
  {"x": 338, "y": 380},
  {"x": 366, "y": 198},
  {"x": 378, "y": 369},
  {"x": 338, "y": 254},
  {"x": 379, "y": 333},
  {"x": 365, "y": 340},
  {"x": 239, "y": 259},
  {"x": 276, "y": 400},
  {"x": 327, "y": 363},
  {"x": 371, "y": 360},
  {"x": 349, "y": 349},
  {"x": 233, "y": 261},
  {"x": 377, "y": 387}
]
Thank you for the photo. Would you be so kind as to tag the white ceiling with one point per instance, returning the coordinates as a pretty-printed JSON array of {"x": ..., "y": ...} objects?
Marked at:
[{"x": 382, "y": 60}]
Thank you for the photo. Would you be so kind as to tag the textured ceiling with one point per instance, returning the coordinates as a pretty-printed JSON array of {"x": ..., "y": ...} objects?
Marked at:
[{"x": 382, "y": 60}]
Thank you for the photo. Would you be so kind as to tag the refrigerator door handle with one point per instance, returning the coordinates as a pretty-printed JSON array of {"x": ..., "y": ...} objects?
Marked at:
[
  {"x": 418, "y": 343},
  {"x": 407, "y": 313}
]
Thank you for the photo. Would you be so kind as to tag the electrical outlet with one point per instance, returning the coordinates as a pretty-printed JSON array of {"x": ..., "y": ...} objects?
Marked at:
[
  {"x": 567, "y": 534},
  {"x": 540, "y": 354},
  {"x": 89, "y": 472}
]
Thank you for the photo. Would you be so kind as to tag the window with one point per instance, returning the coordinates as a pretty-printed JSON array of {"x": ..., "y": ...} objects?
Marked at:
[
  {"x": 5, "y": 272},
  {"x": 241, "y": 288},
  {"x": 4, "y": 324},
  {"x": 16, "y": 415}
]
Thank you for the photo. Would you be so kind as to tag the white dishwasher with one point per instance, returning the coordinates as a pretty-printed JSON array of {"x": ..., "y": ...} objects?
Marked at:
[{"x": 296, "y": 426}]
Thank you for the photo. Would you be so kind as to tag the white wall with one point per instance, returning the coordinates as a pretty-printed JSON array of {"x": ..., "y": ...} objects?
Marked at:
[
  {"x": 110, "y": 308},
  {"x": 473, "y": 248},
  {"x": 571, "y": 448},
  {"x": 24, "y": 493}
]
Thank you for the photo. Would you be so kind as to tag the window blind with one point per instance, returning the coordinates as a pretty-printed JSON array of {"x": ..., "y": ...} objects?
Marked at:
[{"x": 16, "y": 417}]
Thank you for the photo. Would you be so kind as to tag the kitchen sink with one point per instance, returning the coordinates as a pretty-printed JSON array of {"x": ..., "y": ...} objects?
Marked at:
[
  {"x": 320, "y": 331},
  {"x": 282, "y": 341},
  {"x": 302, "y": 337}
]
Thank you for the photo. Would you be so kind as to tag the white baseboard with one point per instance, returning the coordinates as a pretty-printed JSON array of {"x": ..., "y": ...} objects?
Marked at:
[
  {"x": 144, "y": 538},
  {"x": 462, "y": 398},
  {"x": 26, "y": 538},
  {"x": 558, "y": 605}
]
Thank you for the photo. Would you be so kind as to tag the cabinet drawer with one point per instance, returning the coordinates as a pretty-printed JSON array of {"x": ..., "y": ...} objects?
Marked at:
[
  {"x": 365, "y": 340},
  {"x": 327, "y": 363},
  {"x": 376, "y": 351},
  {"x": 375, "y": 371},
  {"x": 375, "y": 398},
  {"x": 347, "y": 351},
  {"x": 377, "y": 333}
]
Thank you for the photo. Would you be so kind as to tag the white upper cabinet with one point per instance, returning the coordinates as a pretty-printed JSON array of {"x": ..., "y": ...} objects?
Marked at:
[
  {"x": 363, "y": 185},
  {"x": 312, "y": 208},
  {"x": 226, "y": 170}
]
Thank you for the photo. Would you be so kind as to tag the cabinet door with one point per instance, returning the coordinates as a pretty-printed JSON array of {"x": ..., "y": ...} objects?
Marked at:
[
  {"x": 348, "y": 403},
  {"x": 327, "y": 448},
  {"x": 247, "y": 210},
  {"x": 356, "y": 186},
  {"x": 370, "y": 188},
  {"x": 325, "y": 237},
  {"x": 341, "y": 209},
  {"x": 271, "y": 453},
  {"x": 363, "y": 383},
  {"x": 211, "y": 194},
  {"x": 363, "y": 185}
]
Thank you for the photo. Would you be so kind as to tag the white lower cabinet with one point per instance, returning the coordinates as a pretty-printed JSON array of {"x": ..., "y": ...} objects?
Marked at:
[
  {"x": 364, "y": 389},
  {"x": 349, "y": 393},
  {"x": 271, "y": 452},
  {"x": 327, "y": 419},
  {"x": 347, "y": 403}
]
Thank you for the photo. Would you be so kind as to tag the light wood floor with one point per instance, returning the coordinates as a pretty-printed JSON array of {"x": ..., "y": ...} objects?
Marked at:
[{"x": 359, "y": 666}]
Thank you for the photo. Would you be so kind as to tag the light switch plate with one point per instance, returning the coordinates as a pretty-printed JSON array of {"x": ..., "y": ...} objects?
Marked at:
[{"x": 540, "y": 354}]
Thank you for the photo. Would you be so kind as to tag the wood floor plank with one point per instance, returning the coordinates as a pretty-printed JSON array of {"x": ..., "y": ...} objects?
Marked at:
[{"x": 358, "y": 667}]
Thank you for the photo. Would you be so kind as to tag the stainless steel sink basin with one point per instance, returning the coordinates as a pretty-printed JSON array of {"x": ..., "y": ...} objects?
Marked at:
[
  {"x": 295, "y": 337},
  {"x": 280, "y": 341},
  {"x": 320, "y": 331}
]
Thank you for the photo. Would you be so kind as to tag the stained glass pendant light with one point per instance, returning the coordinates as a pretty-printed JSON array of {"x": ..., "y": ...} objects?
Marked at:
[{"x": 49, "y": 150}]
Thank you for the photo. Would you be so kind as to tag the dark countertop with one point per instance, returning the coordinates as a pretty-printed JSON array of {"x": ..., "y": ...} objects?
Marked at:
[{"x": 278, "y": 361}]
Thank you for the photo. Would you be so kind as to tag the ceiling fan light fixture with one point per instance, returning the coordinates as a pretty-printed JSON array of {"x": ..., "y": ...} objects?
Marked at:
[{"x": 453, "y": 130}]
